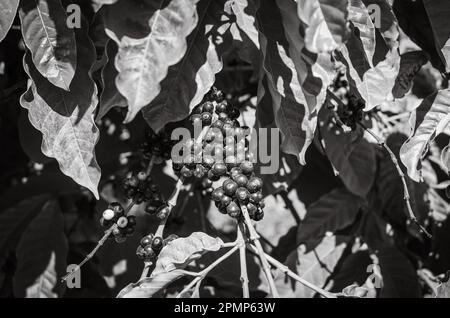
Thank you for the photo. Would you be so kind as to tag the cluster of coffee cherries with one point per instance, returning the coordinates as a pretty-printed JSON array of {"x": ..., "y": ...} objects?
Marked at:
[
  {"x": 141, "y": 188},
  {"x": 158, "y": 146},
  {"x": 115, "y": 214},
  {"x": 151, "y": 245},
  {"x": 352, "y": 111},
  {"x": 222, "y": 154}
]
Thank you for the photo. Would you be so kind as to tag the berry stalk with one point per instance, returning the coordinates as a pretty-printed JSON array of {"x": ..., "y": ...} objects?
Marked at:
[{"x": 243, "y": 260}]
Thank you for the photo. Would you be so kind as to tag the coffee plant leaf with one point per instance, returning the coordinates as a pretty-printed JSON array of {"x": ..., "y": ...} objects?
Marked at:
[
  {"x": 438, "y": 12},
  {"x": 315, "y": 266},
  {"x": 15, "y": 219},
  {"x": 180, "y": 252},
  {"x": 332, "y": 212},
  {"x": 443, "y": 290},
  {"x": 352, "y": 157},
  {"x": 142, "y": 63},
  {"x": 445, "y": 158},
  {"x": 148, "y": 287},
  {"x": 65, "y": 118},
  {"x": 38, "y": 274},
  {"x": 326, "y": 24},
  {"x": 8, "y": 10},
  {"x": 50, "y": 40},
  {"x": 429, "y": 119},
  {"x": 245, "y": 12},
  {"x": 289, "y": 78},
  {"x": 399, "y": 277},
  {"x": 110, "y": 96},
  {"x": 385, "y": 21},
  {"x": 410, "y": 65},
  {"x": 360, "y": 18}
]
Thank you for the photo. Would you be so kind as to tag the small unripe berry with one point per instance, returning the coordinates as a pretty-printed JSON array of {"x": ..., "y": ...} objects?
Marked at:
[
  {"x": 254, "y": 184},
  {"x": 240, "y": 179},
  {"x": 149, "y": 252},
  {"x": 242, "y": 194},
  {"x": 256, "y": 197},
  {"x": 142, "y": 176},
  {"x": 157, "y": 244},
  {"x": 186, "y": 173},
  {"x": 251, "y": 208},
  {"x": 146, "y": 240},
  {"x": 217, "y": 194},
  {"x": 259, "y": 215},
  {"x": 108, "y": 214},
  {"x": 221, "y": 107},
  {"x": 230, "y": 188},
  {"x": 233, "y": 210},
  {"x": 219, "y": 169},
  {"x": 234, "y": 113},
  {"x": 208, "y": 107},
  {"x": 212, "y": 176},
  {"x": 206, "y": 118},
  {"x": 122, "y": 222},
  {"x": 225, "y": 200},
  {"x": 247, "y": 167}
]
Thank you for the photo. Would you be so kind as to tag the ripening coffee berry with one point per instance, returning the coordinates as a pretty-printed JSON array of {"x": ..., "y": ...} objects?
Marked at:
[
  {"x": 235, "y": 171},
  {"x": 217, "y": 194},
  {"x": 225, "y": 200},
  {"x": 206, "y": 118},
  {"x": 131, "y": 220},
  {"x": 189, "y": 161},
  {"x": 142, "y": 176},
  {"x": 219, "y": 169},
  {"x": 259, "y": 215},
  {"x": 208, "y": 161},
  {"x": 149, "y": 252},
  {"x": 242, "y": 194},
  {"x": 256, "y": 197},
  {"x": 221, "y": 107},
  {"x": 251, "y": 209},
  {"x": 234, "y": 113},
  {"x": 163, "y": 212},
  {"x": 146, "y": 240},
  {"x": 240, "y": 179},
  {"x": 157, "y": 244},
  {"x": 186, "y": 173},
  {"x": 117, "y": 208},
  {"x": 233, "y": 210},
  {"x": 217, "y": 124},
  {"x": 247, "y": 167},
  {"x": 222, "y": 116},
  {"x": 140, "y": 253},
  {"x": 230, "y": 188},
  {"x": 108, "y": 214},
  {"x": 208, "y": 107},
  {"x": 122, "y": 222},
  {"x": 254, "y": 184},
  {"x": 197, "y": 109},
  {"x": 212, "y": 176},
  {"x": 199, "y": 171}
]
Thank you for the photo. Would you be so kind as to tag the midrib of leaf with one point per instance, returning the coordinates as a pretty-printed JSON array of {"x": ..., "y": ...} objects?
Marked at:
[
  {"x": 185, "y": 58},
  {"x": 48, "y": 38},
  {"x": 158, "y": 16}
]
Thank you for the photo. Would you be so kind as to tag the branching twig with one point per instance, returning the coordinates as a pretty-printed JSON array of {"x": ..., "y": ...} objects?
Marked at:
[
  {"x": 254, "y": 237},
  {"x": 146, "y": 269},
  {"x": 172, "y": 202},
  {"x": 243, "y": 260},
  {"x": 203, "y": 273},
  {"x": 291, "y": 274},
  {"x": 406, "y": 195}
]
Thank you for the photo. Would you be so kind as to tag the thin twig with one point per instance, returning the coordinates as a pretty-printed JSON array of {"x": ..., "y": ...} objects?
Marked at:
[
  {"x": 205, "y": 272},
  {"x": 243, "y": 260},
  {"x": 254, "y": 237},
  {"x": 92, "y": 253},
  {"x": 291, "y": 274},
  {"x": 172, "y": 202},
  {"x": 150, "y": 165},
  {"x": 406, "y": 195}
]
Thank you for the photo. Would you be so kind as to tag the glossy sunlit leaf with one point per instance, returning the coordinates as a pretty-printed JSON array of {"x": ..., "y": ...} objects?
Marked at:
[
  {"x": 180, "y": 252},
  {"x": 65, "y": 118},
  {"x": 143, "y": 62},
  {"x": 8, "y": 10},
  {"x": 358, "y": 14},
  {"x": 38, "y": 274},
  {"x": 428, "y": 121},
  {"x": 326, "y": 23},
  {"x": 50, "y": 40},
  {"x": 189, "y": 80}
]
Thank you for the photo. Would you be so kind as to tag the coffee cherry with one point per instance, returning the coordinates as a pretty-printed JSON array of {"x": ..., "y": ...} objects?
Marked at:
[
  {"x": 254, "y": 184},
  {"x": 206, "y": 183},
  {"x": 131, "y": 220},
  {"x": 122, "y": 222},
  {"x": 233, "y": 210},
  {"x": 189, "y": 162},
  {"x": 231, "y": 162},
  {"x": 197, "y": 109},
  {"x": 177, "y": 166},
  {"x": 247, "y": 167},
  {"x": 222, "y": 116},
  {"x": 142, "y": 176},
  {"x": 146, "y": 240},
  {"x": 208, "y": 161},
  {"x": 149, "y": 252},
  {"x": 217, "y": 124},
  {"x": 212, "y": 176},
  {"x": 217, "y": 194},
  {"x": 105, "y": 223},
  {"x": 240, "y": 179},
  {"x": 199, "y": 171},
  {"x": 221, "y": 107},
  {"x": 235, "y": 171},
  {"x": 208, "y": 107},
  {"x": 140, "y": 253},
  {"x": 242, "y": 194},
  {"x": 219, "y": 169},
  {"x": 186, "y": 173},
  {"x": 108, "y": 215},
  {"x": 225, "y": 200},
  {"x": 259, "y": 215},
  {"x": 256, "y": 197},
  {"x": 117, "y": 208},
  {"x": 251, "y": 209},
  {"x": 206, "y": 118},
  {"x": 157, "y": 244},
  {"x": 262, "y": 204},
  {"x": 230, "y": 188},
  {"x": 163, "y": 212}
]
